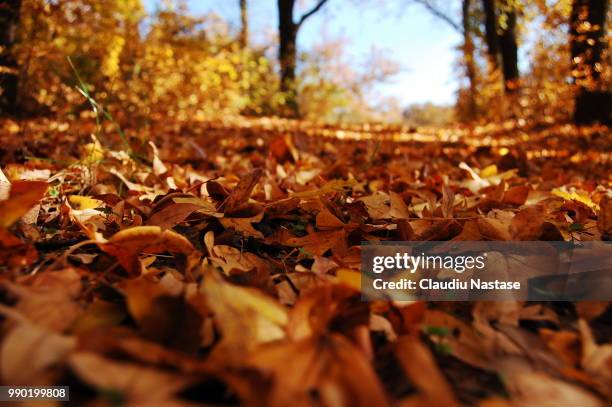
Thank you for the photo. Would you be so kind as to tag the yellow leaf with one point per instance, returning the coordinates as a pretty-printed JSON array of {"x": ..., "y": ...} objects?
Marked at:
[
  {"x": 93, "y": 152},
  {"x": 84, "y": 202},
  {"x": 489, "y": 171},
  {"x": 574, "y": 195},
  {"x": 350, "y": 277}
]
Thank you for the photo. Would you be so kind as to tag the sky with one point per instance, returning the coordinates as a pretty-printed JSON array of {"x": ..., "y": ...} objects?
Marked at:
[{"x": 424, "y": 46}]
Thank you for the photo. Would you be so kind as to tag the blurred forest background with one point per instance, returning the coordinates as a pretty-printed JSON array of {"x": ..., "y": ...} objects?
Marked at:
[{"x": 172, "y": 63}]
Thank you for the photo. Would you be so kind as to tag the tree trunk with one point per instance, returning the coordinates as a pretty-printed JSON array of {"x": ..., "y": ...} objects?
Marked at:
[
  {"x": 501, "y": 46},
  {"x": 509, "y": 52},
  {"x": 9, "y": 19},
  {"x": 491, "y": 33},
  {"x": 587, "y": 45},
  {"x": 468, "y": 55},
  {"x": 287, "y": 52},
  {"x": 244, "y": 24},
  {"x": 287, "y": 55}
]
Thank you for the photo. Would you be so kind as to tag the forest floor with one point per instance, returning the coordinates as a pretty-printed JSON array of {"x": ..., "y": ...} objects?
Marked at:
[{"x": 218, "y": 262}]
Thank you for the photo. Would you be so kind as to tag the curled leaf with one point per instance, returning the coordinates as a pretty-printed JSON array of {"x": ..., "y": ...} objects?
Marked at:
[{"x": 129, "y": 243}]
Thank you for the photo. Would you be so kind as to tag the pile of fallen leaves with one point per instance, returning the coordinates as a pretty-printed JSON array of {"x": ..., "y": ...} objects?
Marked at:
[{"x": 219, "y": 263}]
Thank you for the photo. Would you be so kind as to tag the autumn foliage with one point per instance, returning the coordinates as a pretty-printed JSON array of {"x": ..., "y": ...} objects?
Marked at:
[{"x": 167, "y": 239}]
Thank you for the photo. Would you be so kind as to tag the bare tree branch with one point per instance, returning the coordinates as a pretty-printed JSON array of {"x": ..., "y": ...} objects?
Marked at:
[
  {"x": 311, "y": 12},
  {"x": 440, "y": 14}
]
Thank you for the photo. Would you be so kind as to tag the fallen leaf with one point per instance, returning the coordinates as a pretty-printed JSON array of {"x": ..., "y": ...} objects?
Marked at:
[
  {"x": 158, "y": 166},
  {"x": 575, "y": 195},
  {"x": 245, "y": 316},
  {"x": 242, "y": 192},
  {"x": 532, "y": 388},
  {"x": 325, "y": 220},
  {"x": 448, "y": 201},
  {"x": 5, "y": 186},
  {"x": 596, "y": 358},
  {"x": 351, "y": 278},
  {"x": 172, "y": 215},
  {"x": 399, "y": 209},
  {"x": 134, "y": 382},
  {"x": 528, "y": 223},
  {"x": 23, "y": 196},
  {"x": 51, "y": 301},
  {"x": 331, "y": 366},
  {"x": 420, "y": 367},
  {"x": 128, "y": 244},
  {"x": 317, "y": 243},
  {"x": 84, "y": 202},
  {"x": 244, "y": 225},
  {"x": 30, "y": 352},
  {"x": 336, "y": 185},
  {"x": 604, "y": 220}
]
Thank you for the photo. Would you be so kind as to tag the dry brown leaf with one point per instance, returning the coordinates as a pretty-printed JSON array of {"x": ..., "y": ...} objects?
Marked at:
[
  {"x": 240, "y": 195},
  {"x": 516, "y": 195},
  {"x": 330, "y": 366},
  {"x": 316, "y": 311},
  {"x": 245, "y": 316},
  {"x": 448, "y": 201},
  {"x": 464, "y": 340},
  {"x": 29, "y": 352},
  {"x": 399, "y": 210},
  {"x": 128, "y": 244},
  {"x": 532, "y": 388},
  {"x": 420, "y": 367},
  {"x": 528, "y": 223},
  {"x": 52, "y": 299},
  {"x": 325, "y": 220},
  {"x": 172, "y": 215},
  {"x": 493, "y": 229},
  {"x": 323, "y": 265},
  {"x": 377, "y": 205},
  {"x": 231, "y": 259},
  {"x": 134, "y": 382},
  {"x": 244, "y": 225},
  {"x": 317, "y": 243},
  {"x": 604, "y": 220},
  {"x": 596, "y": 359},
  {"x": 158, "y": 166}
]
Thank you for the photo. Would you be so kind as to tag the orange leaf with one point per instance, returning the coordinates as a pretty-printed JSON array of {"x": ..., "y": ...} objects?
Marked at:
[
  {"x": 129, "y": 243},
  {"x": 23, "y": 196}
]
